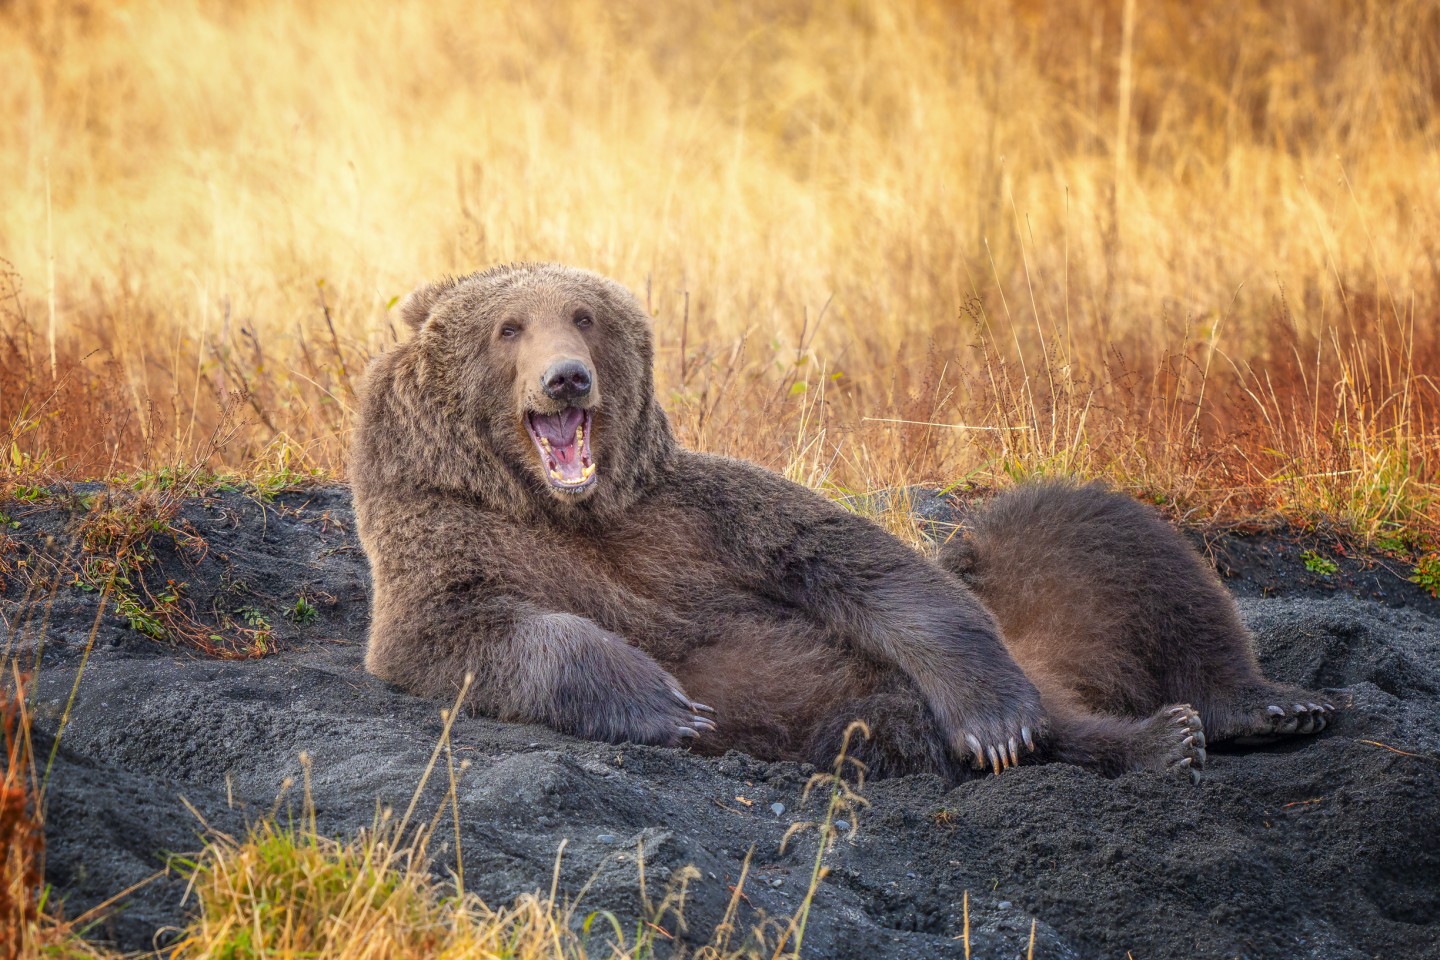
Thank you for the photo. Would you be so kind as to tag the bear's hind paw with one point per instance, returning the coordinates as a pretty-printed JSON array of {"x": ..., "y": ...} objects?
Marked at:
[
  {"x": 1267, "y": 714},
  {"x": 1174, "y": 741}
]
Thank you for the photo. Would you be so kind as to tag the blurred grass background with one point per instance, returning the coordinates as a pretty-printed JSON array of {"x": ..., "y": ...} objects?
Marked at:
[{"x": 1189, "y": 247}]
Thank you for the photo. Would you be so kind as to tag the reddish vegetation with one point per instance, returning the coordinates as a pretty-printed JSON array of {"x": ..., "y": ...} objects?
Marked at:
[
  {"x": 1341, "y": 430},
  {"x": 22, "y": 841}
]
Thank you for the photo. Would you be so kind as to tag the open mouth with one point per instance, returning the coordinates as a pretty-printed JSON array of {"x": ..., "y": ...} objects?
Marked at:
[{"x": 563, "y": 441}]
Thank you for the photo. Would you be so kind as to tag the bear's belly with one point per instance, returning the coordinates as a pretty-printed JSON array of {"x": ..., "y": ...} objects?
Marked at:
[{"x": 767, "y": 668}]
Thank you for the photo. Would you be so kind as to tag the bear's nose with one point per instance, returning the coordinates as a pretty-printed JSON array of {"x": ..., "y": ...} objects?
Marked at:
[{"x": 567, "y": 380}]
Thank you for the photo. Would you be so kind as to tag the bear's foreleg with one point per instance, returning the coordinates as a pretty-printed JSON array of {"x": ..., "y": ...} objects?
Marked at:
[
  {"x": 926, "y": 624},
  {"x": 580, "y": 679},
  {"x": 988, "y": 710},
  {"x": 535, "y": 666}
]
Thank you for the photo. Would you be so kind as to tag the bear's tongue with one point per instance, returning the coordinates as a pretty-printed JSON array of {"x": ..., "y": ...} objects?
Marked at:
[{"x": 564, "y": 444}]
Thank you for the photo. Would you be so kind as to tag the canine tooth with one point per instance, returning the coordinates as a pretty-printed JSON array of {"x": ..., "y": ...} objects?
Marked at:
[
  {"x": 588, "y": 472},
  {"x": 555, "y": 474}
]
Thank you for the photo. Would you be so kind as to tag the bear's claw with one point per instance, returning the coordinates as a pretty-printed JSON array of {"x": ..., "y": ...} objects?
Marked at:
[
  {"x": 694, "y": 705},
  {"x": 1187, "y": 755},
  {"x": 1298, "y": 718},
  {"x": 1001, "y": 755},
  {"x": 695, "y": 724}
]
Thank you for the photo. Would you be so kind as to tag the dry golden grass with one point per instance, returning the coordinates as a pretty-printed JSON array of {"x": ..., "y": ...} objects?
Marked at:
[
  {"x": 1189, "y": 247},
  {"x": 288, "y": 891}
]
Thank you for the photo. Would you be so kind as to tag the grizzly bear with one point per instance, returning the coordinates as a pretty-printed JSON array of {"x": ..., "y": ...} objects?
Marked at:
[
  {"x": 1113, "y": 615},
  {"x": 531, "y": 521}
]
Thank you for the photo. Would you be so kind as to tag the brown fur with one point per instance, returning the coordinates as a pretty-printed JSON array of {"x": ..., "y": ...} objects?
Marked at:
[
  {"x": 1116, "y": 619},
  {"x": 677, "y": 580}
]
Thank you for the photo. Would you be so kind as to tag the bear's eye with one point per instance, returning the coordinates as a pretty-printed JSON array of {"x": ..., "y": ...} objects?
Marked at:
[
  {"x": 584, "y": 320},
  {"x": 509, "y": 330}
]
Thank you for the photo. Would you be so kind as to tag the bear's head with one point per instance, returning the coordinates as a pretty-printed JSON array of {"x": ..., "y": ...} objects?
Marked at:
[{"x": 539, "y": 377}]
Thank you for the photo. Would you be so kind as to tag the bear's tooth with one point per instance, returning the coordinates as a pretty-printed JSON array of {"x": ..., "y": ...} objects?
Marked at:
[
  {"x": 555, "y": 475},
  {"x": 588, "y": 472},
  {"x": 579, "y": 434}
]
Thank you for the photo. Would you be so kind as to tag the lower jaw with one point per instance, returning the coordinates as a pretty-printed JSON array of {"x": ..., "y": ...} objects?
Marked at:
[
  {"x": 570, "y": 484},
  {"x": 565, "y": 489}
]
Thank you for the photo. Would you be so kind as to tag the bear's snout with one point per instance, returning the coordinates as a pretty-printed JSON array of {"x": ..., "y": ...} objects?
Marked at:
[{"x": 566, "y": 381}]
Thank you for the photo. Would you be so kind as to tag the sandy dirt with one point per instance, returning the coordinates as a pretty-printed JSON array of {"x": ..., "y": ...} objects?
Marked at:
[{"x": 1318, "y": 848}]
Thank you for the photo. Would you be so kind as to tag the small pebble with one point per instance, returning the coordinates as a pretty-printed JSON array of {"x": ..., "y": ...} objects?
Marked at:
[
  {"x": 777, "y": 882},
  {"x": 910, "y": 875},
  {"x": 842, "y": 825},
  {"x": 606, "y": 838},
  {"x": 777, "y": 808},
  {"x": 1003, "y": 905}
]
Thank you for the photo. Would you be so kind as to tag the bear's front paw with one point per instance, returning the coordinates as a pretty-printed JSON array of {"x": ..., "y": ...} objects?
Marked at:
[
  {"x": 623, "y": 695},
  {"x": 996, "y": 737},
  {"x": 662, "y": 716}
]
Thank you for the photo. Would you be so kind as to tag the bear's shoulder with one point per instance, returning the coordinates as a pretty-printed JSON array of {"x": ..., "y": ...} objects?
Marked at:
[{"x": 727, "y": 483}]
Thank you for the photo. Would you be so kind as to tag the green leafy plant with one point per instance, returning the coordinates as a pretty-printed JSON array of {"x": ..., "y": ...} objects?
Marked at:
[
  {"x": 303, "y": 612},
  {"x": 1319, "y": 563},
  {"x": 29, "y": 493},
  {"x": 1427, "y": 573},
  {"x": 254, "y": 617},
  {"x": 259, "y": 628},
  {"x": 149, "y": 619}
]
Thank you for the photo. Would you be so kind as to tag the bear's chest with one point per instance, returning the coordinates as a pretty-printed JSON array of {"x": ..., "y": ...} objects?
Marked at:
[{"x": 662, "y": 584}]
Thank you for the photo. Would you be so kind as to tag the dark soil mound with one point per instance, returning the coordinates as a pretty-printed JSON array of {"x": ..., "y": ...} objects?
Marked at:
[{"x": 1323, "y": 848}]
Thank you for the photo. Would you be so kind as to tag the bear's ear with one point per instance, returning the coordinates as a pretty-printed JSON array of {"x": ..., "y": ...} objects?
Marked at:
[{"x": 415, "y": 308}]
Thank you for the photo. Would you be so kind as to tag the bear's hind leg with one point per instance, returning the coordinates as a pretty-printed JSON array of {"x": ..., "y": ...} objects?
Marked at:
[
  {"x": 1172, "y": 740},
  {"x": 1215, "y": 670}
]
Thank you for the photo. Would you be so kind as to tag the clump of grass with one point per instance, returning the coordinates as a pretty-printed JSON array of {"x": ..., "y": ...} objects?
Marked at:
[
  {"x": 114, "y": 553},
  {"x": 285, "y": 891},
  {"x": 117, "y": 538}
]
